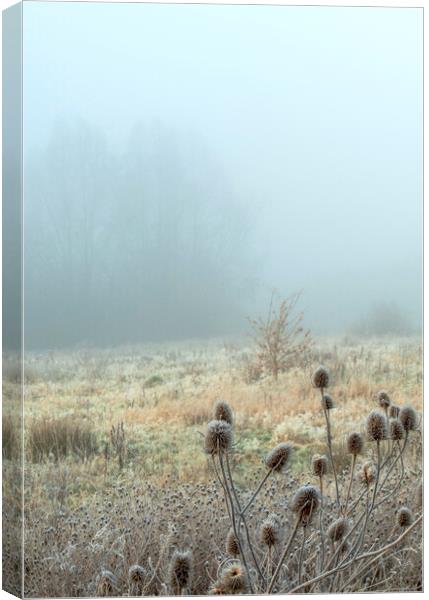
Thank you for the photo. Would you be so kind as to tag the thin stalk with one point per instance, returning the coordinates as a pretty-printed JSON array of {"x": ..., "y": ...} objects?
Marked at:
[
  {"x": 256, "y": 492},
  {"x": 301, "y": 553},
  {"x": 241, "y": 518},
  {"x": 375, "y": 553},
  {"x": 322, "y": 541},
  {"x": 329, "y": 438},
  {"x": 234, "y": 527},
  {"x": 283, "y": 556},
  {"x": 350, "y": 483}
]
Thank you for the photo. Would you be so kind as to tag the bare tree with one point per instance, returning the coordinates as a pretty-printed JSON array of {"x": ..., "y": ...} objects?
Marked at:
[{"x": 281, "y": 340}]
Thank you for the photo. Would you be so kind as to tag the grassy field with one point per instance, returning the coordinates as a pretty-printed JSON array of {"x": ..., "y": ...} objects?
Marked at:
[{"x": 111, "y": 435}]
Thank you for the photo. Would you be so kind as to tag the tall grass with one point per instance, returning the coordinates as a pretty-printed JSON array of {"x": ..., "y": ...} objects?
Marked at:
[{"x": 58, "y": 438}]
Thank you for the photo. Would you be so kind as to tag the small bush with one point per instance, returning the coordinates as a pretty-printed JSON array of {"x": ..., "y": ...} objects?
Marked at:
[
  {"x": 281, "y": 341},
  {"x": 153, "y": 381},
  {"x": 58, "y": 438}
]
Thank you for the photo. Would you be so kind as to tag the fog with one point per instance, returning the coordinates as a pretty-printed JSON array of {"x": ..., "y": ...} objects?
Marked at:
[{"x": 181, "y": 162}]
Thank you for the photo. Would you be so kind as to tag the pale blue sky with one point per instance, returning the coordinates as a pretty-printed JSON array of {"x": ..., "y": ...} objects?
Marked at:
[{"x": 314, "y": 114}]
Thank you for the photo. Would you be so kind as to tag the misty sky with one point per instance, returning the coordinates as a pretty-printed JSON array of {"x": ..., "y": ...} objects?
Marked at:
[{"x": 312, "y": 115}]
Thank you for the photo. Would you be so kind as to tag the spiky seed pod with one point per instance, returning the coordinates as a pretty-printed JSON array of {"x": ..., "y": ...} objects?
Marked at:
[
  {"x": 383, "y": 399},
  {"x": 320, "y": 378},
  {"x": 279, "y": 456},
  {"x": 269, "y": 534},
  {"x": 234, "y": 579},
  {"x": 376, "y": 426},
  {"x": 217, "y": 591},
  {"x": 408, "y": 418},
  {"x": 106, "y": 584},
  {"x": 305, "y": 503},
  {"x": 232, "y": 544},
  {"x": 319, "y": 465},
  {"x": 397, "y": 431},
  {"x": 394, "y": 411},
  {"x": 219, "y": 437},
  {"x": 136, "y": 574},
  {"x": 354, "y": 443},
  {"x": 180, "y": 569},
  {"x": 404, "y": 517},
  {"x": 338, "y": 529},
  {"x": 367, "y": 474},
  {"x": 328, "y": 402},
  {"x": 223, "y": 412}
]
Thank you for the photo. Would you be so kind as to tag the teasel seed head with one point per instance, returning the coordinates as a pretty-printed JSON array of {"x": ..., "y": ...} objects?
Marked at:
[
  {"x": 367, "y": 474},
  {"x": 397, "y": 431},
  {"x": 394, "y": 411},
  {"x": 327, "y": 402},
  {"x": 232, "y": 544},
  {"x": 408, "y": 418},
  {"x": 354, "y": 443},
  {"x": 279, "y": 457},
  {"x": 376, "y": 426},
  {"x": 320, "y": 378},
  {"x": 223, "y": 412},
  {"x": 305, "y": 503},
  {"x": 136, "y": 574},
  {"x": 383, "y": 399},
  {"x": 180, "y": 569},
  {"x": 234, "y": 579},
  {"x": 269, "y": 534},
  {"x": 319, "y": 465},
  {"x": 404, "y": 517},
  {"x": 338, "y": 529},
  {"x": 219, "y": 437},
  {"x": 106, "y": 584}
]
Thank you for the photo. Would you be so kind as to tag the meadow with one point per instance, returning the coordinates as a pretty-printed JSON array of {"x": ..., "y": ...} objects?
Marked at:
[{"x": 125, "y": 496}]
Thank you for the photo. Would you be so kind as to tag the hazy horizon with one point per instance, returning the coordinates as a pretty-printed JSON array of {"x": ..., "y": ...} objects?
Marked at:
[{"x": 181, "y": 161}]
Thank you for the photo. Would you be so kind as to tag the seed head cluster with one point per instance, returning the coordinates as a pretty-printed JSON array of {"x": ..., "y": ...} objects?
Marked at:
[
  {"x": 327, "y": 402},
  {"x": 219, "y": 437},
  {"x": 376, "y": 426},
  {"x": 223, "y": 412},
  {"x": 232, "y": 547},
  {"x": 180, "y": 569},
  {"x": 305, "y": 503},
  {"x": 354, "y": 443},
  {"x": 404, "y": 517},
  {"x": 279, "y": 457},
  {"x": 320, "y": 378},
  {"x": 319, "y": 465},
  {"x": 233, "y": 580},
  {"x": 136, "y": 574},
  {"x": 338, "y": 529},
  {"x": 383, "y": 399},
  {"x": 408, "y": 418},
  {"x": 397, "y": 431},
  {"x": 367, "y": 474},
  {"x": 269, "y": 534}
]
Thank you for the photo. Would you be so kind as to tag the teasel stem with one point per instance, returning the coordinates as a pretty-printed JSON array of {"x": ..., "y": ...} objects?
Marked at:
[
  {"x": 224, "y": 489},
  {"x": 270, "y": 564},
  {"x": 256, "y": 492},
  {"x": 329, "y": 438},
  {"x": 350, "y": 483},
  {"x": 283, "y": 556},
  {"x": 322, "y": 541},
  {"x": 374, "y": 554},
  {"x": 399, "y": 457},
  {"x": 301, "y": 553},
  {"x": 241, "y": 518},
  {"x": 234, "y": 527}
]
